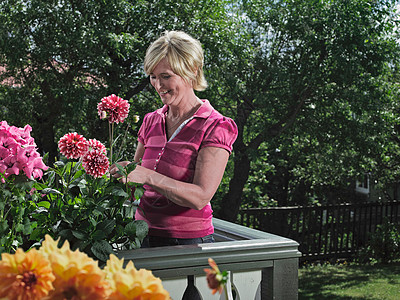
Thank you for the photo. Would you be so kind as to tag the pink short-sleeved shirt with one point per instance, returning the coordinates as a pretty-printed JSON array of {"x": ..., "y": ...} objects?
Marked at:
[{"x": 177, "y": 159}]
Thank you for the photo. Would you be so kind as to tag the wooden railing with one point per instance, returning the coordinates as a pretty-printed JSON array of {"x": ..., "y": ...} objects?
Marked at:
[
  {"x": 260, "y": 265},
  {"x": 327, "y": 232}
]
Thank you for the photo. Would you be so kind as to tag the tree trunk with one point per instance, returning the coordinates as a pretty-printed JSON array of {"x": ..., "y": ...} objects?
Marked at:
[
  {"x": 233, "y": 198},
  {"x": 46, "y": 143},
  {"x": 46, "y": 118}
]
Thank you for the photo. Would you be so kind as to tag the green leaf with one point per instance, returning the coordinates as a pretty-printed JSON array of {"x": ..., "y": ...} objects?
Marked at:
[
  {"x": 101, "y": 181},
  {"x": 51, "y": 177},
  {"x": 107, "y": 226},
  {"x": 138, "y": 193},
  {"x": 130, "y": 167},
  {"x": 82, "y": 183},
  {"x": 51, "y": 191},
  {"x": 130, "y": 230},
  {"x": 137, "y": 228},
  {"x": 79, "y": 235},
  {"x": 37, "y": 234},
  {"x": 81, "y": 244},
  {"x": 118, "y": 191},
  {"x": 119, "y": 231},
  {"x": 3, "y": 227},
  {"x": 99, "y": 235},
  {"x": 28, "y": 228},
  {"x": 21, "y": 212},
  {"x": 65, "y": 234},
  {"x": 137, "y": 243},
  {"x": 71, "y": 214},
  {"x": 59, "y": 164},
  {"x": 44, "y": 204},
  {"x": 77, "y": 169},
  {"x": 98, "y": 211},
  {"x": 102, "y": 250},
  {"x": 121, "y": 169},
  {"x": 19, "y": 228},
  {"x": 142, "y": 229}
]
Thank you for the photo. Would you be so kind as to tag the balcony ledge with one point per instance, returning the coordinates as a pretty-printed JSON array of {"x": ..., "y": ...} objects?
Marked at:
[{"x": 237, "y": 249}]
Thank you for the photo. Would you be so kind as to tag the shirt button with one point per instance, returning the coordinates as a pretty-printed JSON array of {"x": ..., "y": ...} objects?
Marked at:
[
  {"x": 159, "y": 153},
  {"x": 156, "y": 159}
]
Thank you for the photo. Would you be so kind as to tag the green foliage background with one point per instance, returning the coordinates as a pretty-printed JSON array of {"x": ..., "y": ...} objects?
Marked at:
[{"x": 312, "y": 85}]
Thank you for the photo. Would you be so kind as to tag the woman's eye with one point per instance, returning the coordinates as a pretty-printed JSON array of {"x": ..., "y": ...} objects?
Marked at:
[{"x": 166, "y": 76}]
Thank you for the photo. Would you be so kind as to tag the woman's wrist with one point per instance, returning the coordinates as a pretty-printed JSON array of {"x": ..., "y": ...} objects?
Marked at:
[{"x": 151, "y": 177}]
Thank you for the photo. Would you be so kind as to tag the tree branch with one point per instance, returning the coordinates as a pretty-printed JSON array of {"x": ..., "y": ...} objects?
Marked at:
[
  {"x": 138, "y": 88},
  {"x": 287, "y": 121}
]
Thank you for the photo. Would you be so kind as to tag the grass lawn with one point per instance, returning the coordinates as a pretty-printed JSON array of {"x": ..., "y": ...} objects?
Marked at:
[{"x": 350, "y": 281}]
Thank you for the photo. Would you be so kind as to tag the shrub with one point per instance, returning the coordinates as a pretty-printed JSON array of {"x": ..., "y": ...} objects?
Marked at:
[{"x": 384, "y": 244}]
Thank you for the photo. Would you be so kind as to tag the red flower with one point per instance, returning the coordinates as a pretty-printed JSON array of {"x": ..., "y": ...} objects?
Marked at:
[
  {"x": 215, "y": 279},
  {"x": 95, "y": 163},
  {"x": 97, "y": 145},
  {"x": 73, "y": 145},
  {"x": 114, "y": 108}
]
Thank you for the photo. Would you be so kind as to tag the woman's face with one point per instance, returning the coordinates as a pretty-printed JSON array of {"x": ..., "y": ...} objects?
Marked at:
[{"x": 171, "y": 87}]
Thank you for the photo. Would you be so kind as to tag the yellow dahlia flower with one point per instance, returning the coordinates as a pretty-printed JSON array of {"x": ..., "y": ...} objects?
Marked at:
[
  {"x": 51, "y": 246},
  {"x": 77, "y": 275},
  {"x": 132, "y": 284},
  {"x": 25, "y": 276}
]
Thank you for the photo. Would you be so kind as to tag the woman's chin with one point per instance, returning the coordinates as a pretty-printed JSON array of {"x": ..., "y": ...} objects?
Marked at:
[{"x": 165, "y": 100}]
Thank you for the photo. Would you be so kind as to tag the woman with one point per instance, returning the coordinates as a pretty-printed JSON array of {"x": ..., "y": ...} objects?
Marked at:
[{"x": 184, "y": 146}]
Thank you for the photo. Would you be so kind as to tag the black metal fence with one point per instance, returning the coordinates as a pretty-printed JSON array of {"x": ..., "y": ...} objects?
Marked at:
[{"x": 324, "y": 232}]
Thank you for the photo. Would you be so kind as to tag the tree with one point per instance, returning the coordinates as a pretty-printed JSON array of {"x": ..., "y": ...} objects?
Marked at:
[
  {"x": 311, "y": 89},
  {"x": 64, "y": 56},
  {"x": 57, "y": 54}
]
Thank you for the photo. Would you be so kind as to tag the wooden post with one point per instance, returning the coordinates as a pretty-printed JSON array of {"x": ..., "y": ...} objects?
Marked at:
[{"x": 281, "y": 281}]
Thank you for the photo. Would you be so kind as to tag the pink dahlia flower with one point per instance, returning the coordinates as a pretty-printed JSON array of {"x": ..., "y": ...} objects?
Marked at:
[
  {"x": 114, "y": 108},
  {"x": 97, "y": 145},
  {"x": 73, "y": 145},
  {"x": 95, "y": 163}
]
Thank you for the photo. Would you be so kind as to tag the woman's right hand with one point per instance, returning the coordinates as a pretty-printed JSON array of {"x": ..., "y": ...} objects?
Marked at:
[{"x": 114, "y": 169}]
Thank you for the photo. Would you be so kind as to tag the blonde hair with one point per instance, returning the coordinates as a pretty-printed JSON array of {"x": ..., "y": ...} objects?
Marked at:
[{"x": 184, "y": 55}]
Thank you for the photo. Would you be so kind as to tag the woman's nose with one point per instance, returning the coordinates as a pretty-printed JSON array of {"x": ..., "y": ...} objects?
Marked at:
[{"x": 158, "y": 84}]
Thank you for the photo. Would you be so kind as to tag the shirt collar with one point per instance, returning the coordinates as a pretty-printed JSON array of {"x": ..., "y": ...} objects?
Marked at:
[{"x": 204, "y": 111}]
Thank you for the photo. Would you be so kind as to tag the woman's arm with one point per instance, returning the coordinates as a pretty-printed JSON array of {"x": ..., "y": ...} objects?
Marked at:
[
  {"x": 139, "y": 152},
  {"x": 210, "y": 167}
]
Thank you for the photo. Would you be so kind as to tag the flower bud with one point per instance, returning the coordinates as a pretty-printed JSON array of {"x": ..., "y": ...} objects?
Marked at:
[
  {"x": 135, "y": 118},
  {"x": 103, "y": 115}
]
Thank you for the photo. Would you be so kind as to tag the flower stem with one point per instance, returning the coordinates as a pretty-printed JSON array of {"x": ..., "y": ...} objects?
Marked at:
[
  {"x": 123, "y": 141},
  {"x": 111, "y": 134}
]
